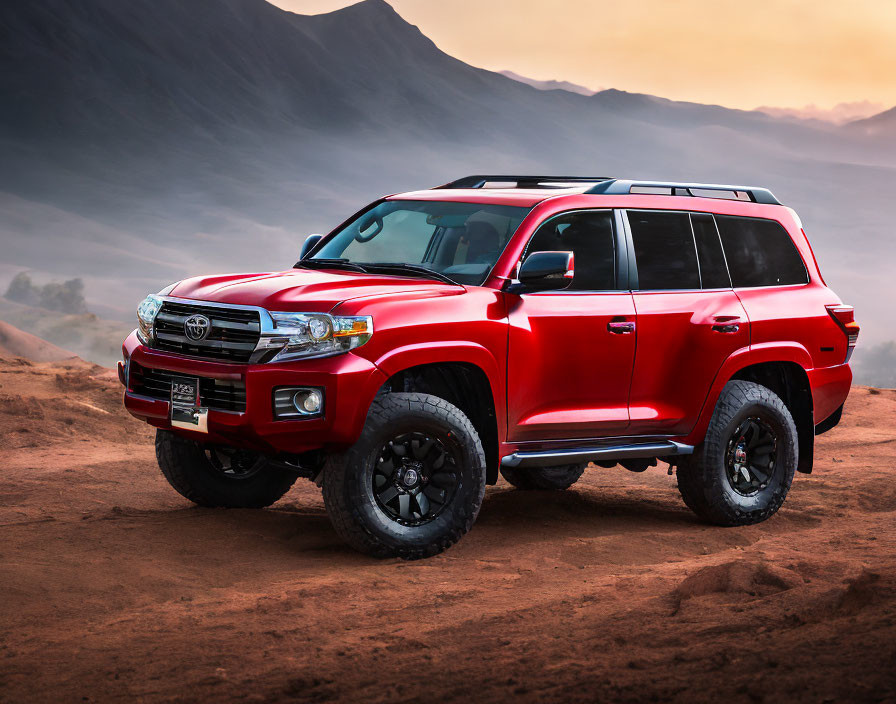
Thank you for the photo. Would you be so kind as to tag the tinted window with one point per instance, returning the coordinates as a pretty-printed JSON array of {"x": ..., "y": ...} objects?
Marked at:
[
  {"x": 760, "y": 252},
  {"x": 664, "y": 250},
  {"x": 590, "y": 237},
  {"x": 713, "y": 272}
]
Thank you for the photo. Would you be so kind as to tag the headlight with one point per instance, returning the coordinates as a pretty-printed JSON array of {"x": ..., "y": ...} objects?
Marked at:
[
  {"x": 318, "y": 334},
  {"x": 146, "y": 315}
]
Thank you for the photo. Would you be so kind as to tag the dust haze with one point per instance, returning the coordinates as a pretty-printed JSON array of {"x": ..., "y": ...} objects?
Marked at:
[{"x": 145, "y": 142}]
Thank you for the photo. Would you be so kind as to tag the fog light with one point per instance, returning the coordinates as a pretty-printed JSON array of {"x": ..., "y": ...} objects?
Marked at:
[
  {"x": 291, "y": 402},
  {"x": 308, "y": 401}
]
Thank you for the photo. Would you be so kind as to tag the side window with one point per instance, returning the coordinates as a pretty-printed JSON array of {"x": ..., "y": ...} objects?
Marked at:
[
  {"x": 760, "y": 252},
  {"x": 590, "y": 236},
  {"x": 664, "y": 250},
  {"x": 713, "y": 270}
]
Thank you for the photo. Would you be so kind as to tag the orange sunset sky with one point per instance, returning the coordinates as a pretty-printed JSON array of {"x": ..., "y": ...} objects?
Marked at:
[{"x": 786, "y": 53}]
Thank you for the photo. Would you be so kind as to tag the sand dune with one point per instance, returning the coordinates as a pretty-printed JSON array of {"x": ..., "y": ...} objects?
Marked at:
[{"x": 114, "y": 588}]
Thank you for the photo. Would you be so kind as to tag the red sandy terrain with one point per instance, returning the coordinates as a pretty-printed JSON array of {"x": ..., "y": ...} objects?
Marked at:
[{"x": 114, "y": 588}]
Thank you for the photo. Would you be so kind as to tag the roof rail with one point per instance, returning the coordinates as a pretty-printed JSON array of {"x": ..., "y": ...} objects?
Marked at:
[
  {"x": 618, "y": 187},
  {"x": 480, "y": 181}
]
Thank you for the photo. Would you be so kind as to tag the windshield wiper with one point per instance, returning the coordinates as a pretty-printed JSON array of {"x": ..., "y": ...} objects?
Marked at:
[
  {"x": 329, "y": 264},
  {"x": 411, "y": 269}
]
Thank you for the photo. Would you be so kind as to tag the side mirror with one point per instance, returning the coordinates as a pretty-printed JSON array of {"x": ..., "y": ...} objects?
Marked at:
[
  {"x": 308, "y": 245},
  {"x": 547, "y": 271}
]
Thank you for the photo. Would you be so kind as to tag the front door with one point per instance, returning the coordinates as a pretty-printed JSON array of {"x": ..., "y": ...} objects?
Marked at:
[{"x": 571, "y": 352}]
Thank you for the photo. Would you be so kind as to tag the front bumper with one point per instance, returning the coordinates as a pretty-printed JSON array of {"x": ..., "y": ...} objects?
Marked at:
[{"x": 350, "y": 384}]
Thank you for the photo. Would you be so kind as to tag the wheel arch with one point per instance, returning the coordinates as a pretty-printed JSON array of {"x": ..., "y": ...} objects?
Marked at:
[
  {"x": 781, "y": 368},
  {"x": 463, "y": 384}
]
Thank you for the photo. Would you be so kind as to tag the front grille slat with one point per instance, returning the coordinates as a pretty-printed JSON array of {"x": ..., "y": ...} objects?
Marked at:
[
  {"x": 217, "y": 394},
  {"x": 232, "y": 337}
]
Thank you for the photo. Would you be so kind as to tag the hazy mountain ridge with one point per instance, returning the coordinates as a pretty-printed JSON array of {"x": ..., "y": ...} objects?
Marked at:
[
  {"x": 840, "y": 114},
  {"x": 150, "y": 140},
  {"x": 881, "y": 125},
  {"x": 549, "y": 84}
]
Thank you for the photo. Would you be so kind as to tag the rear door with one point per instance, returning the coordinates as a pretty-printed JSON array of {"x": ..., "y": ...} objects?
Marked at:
[
  {"x": 770, "y": 279},
  {"x": 689, "y": 320},
  {"x": 571, "y": 352}
]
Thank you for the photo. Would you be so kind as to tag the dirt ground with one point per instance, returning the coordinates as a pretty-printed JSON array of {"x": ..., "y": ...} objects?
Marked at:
[{"x": 114, "y": 588}]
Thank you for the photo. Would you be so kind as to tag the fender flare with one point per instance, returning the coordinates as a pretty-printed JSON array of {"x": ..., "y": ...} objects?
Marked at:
[
  {"x": 741, "y": 359},
  {"x": 457, "y": 352}
]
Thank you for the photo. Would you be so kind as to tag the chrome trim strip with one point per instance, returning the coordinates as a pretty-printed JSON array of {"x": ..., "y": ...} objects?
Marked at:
[{"x": 548, "y": 458}]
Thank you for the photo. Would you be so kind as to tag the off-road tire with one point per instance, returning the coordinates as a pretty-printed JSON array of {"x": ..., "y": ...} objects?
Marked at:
[
  {"x": 702, "y": 477},
  {"x": 544, "y": 478},
  {"x": 348, "y": 491},
  {"x": 187, "y": 468}
]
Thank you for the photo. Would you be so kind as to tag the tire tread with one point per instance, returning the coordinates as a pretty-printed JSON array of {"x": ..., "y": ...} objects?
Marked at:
[
  {"x": 700, "y": 486},
  {"x": 344, "y": 510},
  {"x": 183, "y": 464}
]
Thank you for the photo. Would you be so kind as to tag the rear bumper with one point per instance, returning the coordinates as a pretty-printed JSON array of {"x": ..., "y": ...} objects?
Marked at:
[
  {"x": 350, "y": 383},
  {"x": 830, "y": 387}
]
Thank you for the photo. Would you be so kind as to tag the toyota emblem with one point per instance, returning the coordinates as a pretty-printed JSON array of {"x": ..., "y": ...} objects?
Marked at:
[{"x": 197, "y": 327}]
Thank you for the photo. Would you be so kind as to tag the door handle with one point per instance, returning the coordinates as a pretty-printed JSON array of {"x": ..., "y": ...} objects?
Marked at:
[
  {"x": 621, "y": 327},
  {"x": 726, "y": 324}
]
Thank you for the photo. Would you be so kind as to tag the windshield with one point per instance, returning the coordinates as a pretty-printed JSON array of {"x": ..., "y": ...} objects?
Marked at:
[{"x": 460, "y": 241}]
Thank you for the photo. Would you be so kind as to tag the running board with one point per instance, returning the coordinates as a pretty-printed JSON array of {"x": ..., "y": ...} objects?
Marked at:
[{"x": 550, "y": 458}]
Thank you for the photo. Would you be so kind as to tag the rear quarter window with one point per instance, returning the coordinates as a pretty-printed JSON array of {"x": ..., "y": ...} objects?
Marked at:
[{"x": 760, "y": 252}]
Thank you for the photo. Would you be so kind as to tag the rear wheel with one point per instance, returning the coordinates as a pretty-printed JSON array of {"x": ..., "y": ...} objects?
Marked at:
[
  {"x": 742, "y": 471},
  {"x": 544, "y": 478},
  {"x": 219, "y": 476},
  {"x": 412, "y": 485}
]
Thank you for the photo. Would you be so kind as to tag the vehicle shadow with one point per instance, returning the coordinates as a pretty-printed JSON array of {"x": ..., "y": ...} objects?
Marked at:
[{"x": 292, "y": 528}]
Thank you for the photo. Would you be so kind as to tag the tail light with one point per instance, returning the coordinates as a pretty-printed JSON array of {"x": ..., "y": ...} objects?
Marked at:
[{"x": 845, "y": 318}]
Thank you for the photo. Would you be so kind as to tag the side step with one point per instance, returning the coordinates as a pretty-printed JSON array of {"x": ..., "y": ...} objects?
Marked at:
[{"x": 549, "y": 458}]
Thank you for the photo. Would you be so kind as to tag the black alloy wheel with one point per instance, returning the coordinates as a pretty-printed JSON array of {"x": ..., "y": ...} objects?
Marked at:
[
  {"x": 740, "y": 474},
  {"x": 413, "y": 482},
  {"x": 415, "y": 476},
  {"x": 750, "y": 456}
]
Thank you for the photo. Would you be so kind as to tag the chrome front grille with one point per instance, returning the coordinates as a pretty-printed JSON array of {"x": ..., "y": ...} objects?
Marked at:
[
  {"x": 217, "y": 394},
  {"x": 232, "y": 336}
]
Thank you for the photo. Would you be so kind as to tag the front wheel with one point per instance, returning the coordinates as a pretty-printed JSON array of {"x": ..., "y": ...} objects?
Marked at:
[
  {"x": 412, "y": 485},
  {"x": 219, "y": 476},
  {"x": 742, "y": 471}
]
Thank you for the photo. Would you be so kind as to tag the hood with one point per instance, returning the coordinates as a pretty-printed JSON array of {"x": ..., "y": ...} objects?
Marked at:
[{"x": 303, "y": 290}]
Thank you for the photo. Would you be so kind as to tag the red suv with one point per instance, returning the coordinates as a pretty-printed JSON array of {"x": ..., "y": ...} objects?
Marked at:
[{"x": 521, "y": 325}]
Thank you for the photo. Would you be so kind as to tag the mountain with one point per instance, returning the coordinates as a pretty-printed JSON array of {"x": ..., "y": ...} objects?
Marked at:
[
  {"x": 17, "y": 343},
  {"x": 840, "y": 114},
  {"x": 549, "y": 85},
  {"x": 881, "y": 125},
  {"x": 86, "y": 335},
  {"x": 148, "y": 140}
]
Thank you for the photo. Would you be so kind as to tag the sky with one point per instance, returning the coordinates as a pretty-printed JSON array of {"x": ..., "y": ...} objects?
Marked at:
[{"x": 786, "y": 53}]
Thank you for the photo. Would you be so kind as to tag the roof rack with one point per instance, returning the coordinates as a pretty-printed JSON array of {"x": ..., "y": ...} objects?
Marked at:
[
  {"x": 697, "y": 190},
  {"x": 511, "y": 181}
]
